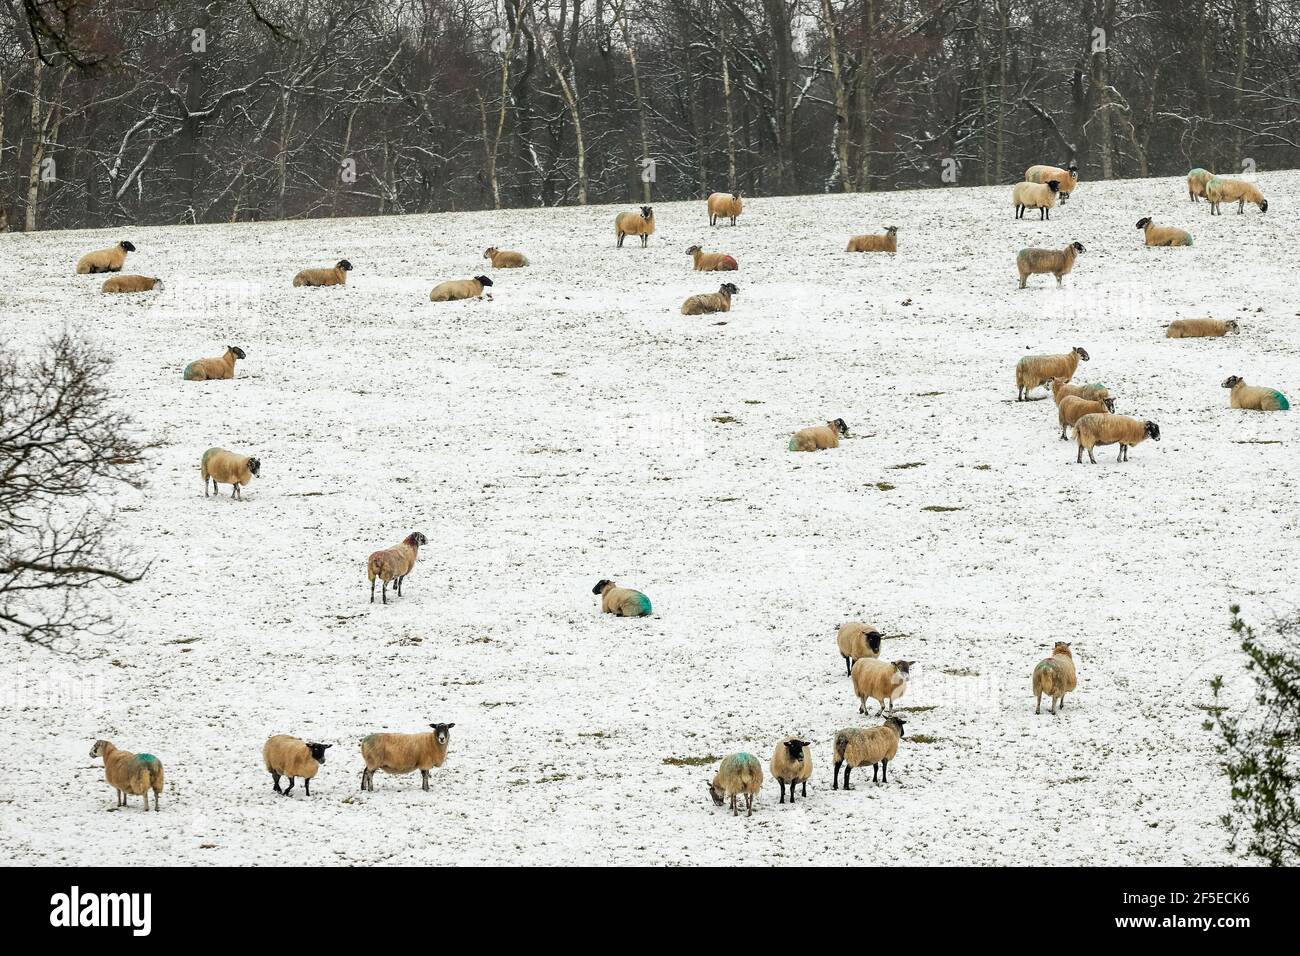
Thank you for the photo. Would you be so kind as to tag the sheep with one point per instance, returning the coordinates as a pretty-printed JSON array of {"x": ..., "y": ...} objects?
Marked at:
[
  {"x": 819, "y": 437},
  {"x": 1055, "y": 676},
  {"x": 128, "y": 773},
  {"x": 402, "y": 753},
  {"x": 1037, "y": 261},
  {"x": 1040, "y": 196},
  {"x": 635, "y": 224},
  {"x": 712, "y": 261},
  {"x": 1163, "y": 235},
  {"x": 1035, "y": 370},
  {"x": 710, "y": 302},
  {"x": 1233, "y": 190},
  {"x": 880, "y": 681},
  {"x": 1100, "y": 429},
  {"x": 1065, "y": 179},
  {"x": 394, "y": 564},
  {"x": 131, "y": 284},
  {"x": 228, "y": 468},
  {"x": 859, "y": 746},
  {"x": 869, "y": 243},
  {"x": 292, "y": 757},
  {"x": 740, "y": 774},
  {"x": 856, "y": 641},
  {"x": 459, "y": 289},
  {"x": 205, "y": 369},
  {"x": 320, "y": 277},
  {"x": 1196, "y": 180},
  {"x": 504, "y": 258},
  {"x": 791, "y": 764},
  {"x": 623, "y": 602},
  {"x": 1200, "y": 328},
  {"x": 104, "y": 260},
  {"x": 1061, "y": 388},
  {"x": 1071, "y": 409},
  {"x": 724, "y": 206},
  {"x": 1255, "y": 397}
]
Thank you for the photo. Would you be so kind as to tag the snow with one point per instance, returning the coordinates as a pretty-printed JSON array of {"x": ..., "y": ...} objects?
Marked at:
[{"x": 577, "y": 427}]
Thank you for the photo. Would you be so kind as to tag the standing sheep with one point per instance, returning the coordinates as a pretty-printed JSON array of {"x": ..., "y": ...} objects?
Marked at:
[
  {"x": 857, "y": 747},
  {"x": 131, "y": 284},
  {"x": 1061, "y": 388},
  {"x": 1071, "y": 409},
  {"x": 1196, "y": 181},
  {"x": 856, "y": 641},
  {"x": 1163, "y": 235},
  {"x": 791, "y": 764},
  {"x": 505, "y": 259},
  {"x": 394, "y": 564},
  {"x": 1055, "y": 677},
  {"x": 709, "y": 302},
  {"x": 880, "y": 681},
  {"x": 1040, "y": 196},
  {"x": 402, "y": 753},
  {"x": 724, "y": 206},
  {"x": 208, "y": 369},
  {"x": 457, "y": 289},
  {"x": 869, "y": 243},
  {"x": 622, "y": 602},
  {"x": 1254, "y": 397},
  {"x": 819, "y": 437},
  {"x": 740, "y": 774},
  {"x": 291, "y": 757},
  {"x": 338, "y": 275},
  {"x": 1035, "y": 370},
  {"x": 104, "y": 260},
  {"x": 1201, "y": 328},
  {"x": 128, "y": 773},
  {"x": 712, "y": 261},
  {"x": 229, "y": 469},
  {"x": 1066, "y": 179},
  {"x": 1038, "y": 261},
  {"x": 1098, "y": 429},
  {"x": 635, "y": 224},
  {"x": 1219, "y": 190}
]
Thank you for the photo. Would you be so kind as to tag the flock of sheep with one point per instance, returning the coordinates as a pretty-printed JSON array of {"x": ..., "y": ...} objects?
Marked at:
[{"x": 1089, "y": 409}]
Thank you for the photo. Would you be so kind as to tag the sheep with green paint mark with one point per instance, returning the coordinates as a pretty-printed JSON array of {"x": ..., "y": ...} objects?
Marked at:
[
  {"x": 130, "y": 774},
  {"x": 1255, "y": 397},
  {"x": 1055, "y": 676},
  {"x": 1062, "y": 389},
  {"x": 1196, "y": 180},
  {"x": 1219, "y": 190},
  {"x": 739, "y": 775},
  {"x": 623, "y": 602}
]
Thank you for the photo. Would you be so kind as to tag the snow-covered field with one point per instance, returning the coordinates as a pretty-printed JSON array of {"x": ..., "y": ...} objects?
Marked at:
[{"x": 577, "y": 427}]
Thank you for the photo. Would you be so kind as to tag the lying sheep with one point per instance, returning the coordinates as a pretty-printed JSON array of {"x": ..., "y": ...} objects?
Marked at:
[
  {"x": 221, "y": 367},
  {"x": 131, "y": 284},
  {"x": 1255, "y": 397},
  {"x": 1219, "y": 190},
  {"x": 1038, "y": 261},
  {"x": 128, "y": 773},
  {"x": 1055, "y": 677},
  {"x": 724, "y": 206},
  {"x": 712, "y": 261},
  {"x": 740, "y": 774},
  {"x": 394, "y": 564},
  {"x": 635, "y": 224},
  {"x": 402, "y": 753},
  {"x": 1066, "y": 179},
  {"x": 1196, "y": 181},
  {"x": 1096, "y": 392},
  {"x": 1163, "y": 235},
  {"x": 229, "y": 469},
  {"x": 819, "y": 437},
  {"x": 338, "y": 275},
  {"x": 459, "y": 289},
  {"x": 1035, "y": 370},
  {"x": 1071, "y": 409},
  {"x": 710, "y": 302},
  {"x": 104, "y": 260},
  {"x": 504, "y": 258},
  {"x": 856, "y": 641},
  {"x": 291, "y": 757},
  {"x": 1099, "y": 429},
  {"x": 1040, "y": 196},
  {"x": 859, "y": 746},
  {"x": 623, "y": 602},
  {"x": 1200, "y": 328},
  {"x": 880, "y": 681},
  {"x": 869, "y": 243},
  {"x": 791, "y": 764}
]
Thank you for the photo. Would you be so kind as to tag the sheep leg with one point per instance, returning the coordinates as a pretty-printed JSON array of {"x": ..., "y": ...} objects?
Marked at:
[
  {"x": 384, "y": 593},
  {"x": 835, "y": 780},
  {"x": 1038, "y": 707},
  {"x": 749, "y": 804},
  {"x": 1053, "y": 709},
  {"x": 1090, "y": 458},
  {"x": 372, "y": 590},
  {"x": 884, "y": 771},
  {"x": 804, "y": 787},
  {"x": 792, "y": 790},
  {"x": 1062, "y": 433},
  {"x": 424, "y": 780},
  {"x": 848, "y": 665},
  {"x": 645, "y": 241},
  {"x": 275, "y": 780},
  {"x": 1062, "y": 702},
  {"x": 306, "y": 782},
  {"x": 1023, "y": 280},
  {"x": 875, "y": 768},
  {"x": 848, "y": 769},
  {"x": 782, "y": 783},
  {"x": 121, "y": 799},
  {"x": 733, "y": 804},
  {"x": 289, "y": 789},
  {"x": 1123, "y": 453}
]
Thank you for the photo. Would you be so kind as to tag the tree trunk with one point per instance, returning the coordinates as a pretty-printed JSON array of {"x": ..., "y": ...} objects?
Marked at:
[
  {"x": 646, "y": 182},
  {"x": 726, "y": 98},
  {"x": 865, "y": 94},
  {"x": 841, "y": 131},
  {"x": 38, "y": 143}
]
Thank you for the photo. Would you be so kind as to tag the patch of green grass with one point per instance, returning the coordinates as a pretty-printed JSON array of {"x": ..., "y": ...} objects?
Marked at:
[
  {"x": 959, "y": 672},
  {"x": 943, "y": 508},
  {"x": 983, "y": 467},
  {"x": 919, "y": 710},
  {"x": 752, "y": 401},
  {"x": 726, "y": 419},
  {"x": 921, "y": 739},
  {"x": 185, "y": 640},
  {"x": 883, "y": 486},
  {"x": 1211, "y": 709},
  {"x": 927, "y": 394},
  {"x": 1079, "y": 779},
  {"x": 909, "y": 464},
  {"x": 691, "y": 761}
]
